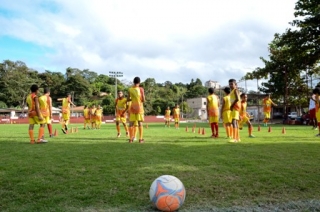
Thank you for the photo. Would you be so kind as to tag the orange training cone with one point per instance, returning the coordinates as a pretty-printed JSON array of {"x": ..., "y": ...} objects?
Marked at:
[
  {"x": 193, "y": 130},
  {"x": 199, "y": 131},
  {"x": 283, "y": 130},
  {"x": 186, "y": 128},
  {"x": 77, "y": 129},
  {"x": 269, "y": 130},
  {"x": 259, "y": 128},
  {"x": 147, "y": 126},
  {"x": 203, "y": 132}
]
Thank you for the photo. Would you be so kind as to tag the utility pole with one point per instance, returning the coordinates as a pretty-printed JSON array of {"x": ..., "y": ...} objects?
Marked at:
[{"x": 115, "y": 74}]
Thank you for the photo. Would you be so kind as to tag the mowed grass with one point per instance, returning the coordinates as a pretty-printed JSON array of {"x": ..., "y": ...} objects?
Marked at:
[{"x": 92, "y": 170}]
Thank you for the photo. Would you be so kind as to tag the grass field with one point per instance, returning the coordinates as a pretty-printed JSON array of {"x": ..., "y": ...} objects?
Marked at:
[{"x": 92, "y": 170}]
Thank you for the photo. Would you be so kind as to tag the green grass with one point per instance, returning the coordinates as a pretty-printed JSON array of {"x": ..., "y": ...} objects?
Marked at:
[{"x": 93, "y": 171}]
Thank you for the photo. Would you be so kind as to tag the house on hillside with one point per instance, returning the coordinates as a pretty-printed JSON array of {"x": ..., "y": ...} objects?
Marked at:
[{"x": 199, "y": 108}]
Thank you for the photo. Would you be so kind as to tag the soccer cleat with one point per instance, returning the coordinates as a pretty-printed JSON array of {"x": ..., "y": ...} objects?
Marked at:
[
  {"x": 135, "y": 139},
  {"x": 252, "y": 136},
  {"x": 51, "y": 136},
  {"x": 42, "y": 141},
  {"x": 66, "y": 127},
  {"x": 141, "y": 140},
  {"x": 119, "y": 134},
  {"x": 127, "y": 134},
  {"x": 130, "y": 141},
  {"x": 232, "y": 141},
  {"x": 318, "y": 135},
  {"x": 32, "y": 142},
  {"x": 64, "y": 131}
]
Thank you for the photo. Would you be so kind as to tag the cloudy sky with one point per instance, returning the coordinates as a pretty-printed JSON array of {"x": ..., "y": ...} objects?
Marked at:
[{"x": 169, "y": 40}]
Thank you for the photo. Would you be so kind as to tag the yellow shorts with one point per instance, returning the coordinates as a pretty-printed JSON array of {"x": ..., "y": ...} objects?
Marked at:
[
  {"x": 235, "y": 115},
  {"x": 65, "y": 116},
  {"x": 136, "y": 117},
  {"x": 121, "y": 119},
  {"x": 244, "y": 120},
  {"x": 35, "y": 120},
  {"x": 47, "y": 119},
  {"x": 167, "y": 119},
  {"x": 266, "y": 115},
  {"x": 318, "y": 116},
  {"x": 213, "y": 119},
  {"x": 226, "y": 116},
  {"x": 87, "y": 120},
  {"x": 176, "y": 120}
]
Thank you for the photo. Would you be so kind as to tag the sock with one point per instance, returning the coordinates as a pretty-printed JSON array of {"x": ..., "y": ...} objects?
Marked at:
[
  {"x": 41, "y": 133},
  {"x": 131, "y": 131},
  {"x": 250, "y": 130},
  {"x": 50, "y": 129},
  {"x": 31, "y": 135},
  {"x": 234, "y": 132},
  {"x": 140, "y": 132},
  {"x": 216, "y": 128},
  {"x": 118, "y": 128},
  {"x": 212, "y": 128}
]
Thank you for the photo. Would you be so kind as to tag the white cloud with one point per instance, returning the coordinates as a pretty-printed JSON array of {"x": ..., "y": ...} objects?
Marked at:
[{"x": 166, "y": 40}]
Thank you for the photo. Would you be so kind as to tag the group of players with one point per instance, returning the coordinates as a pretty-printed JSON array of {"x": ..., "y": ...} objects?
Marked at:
[{"x": 233, "y": 112}]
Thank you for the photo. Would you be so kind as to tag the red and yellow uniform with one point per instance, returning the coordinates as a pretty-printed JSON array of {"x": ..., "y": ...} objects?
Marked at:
[
  {"x": 44, "y": 109},
  {"x": 32, "y": 114},
  {"x": 93, "y": 114},
  {"x": 236, "y": 107},
  {"x": 86, "y": 115},
  {"x": 167, "y": 114},
  {"x": 121, "y": 108},
  {"x": 66, "y": 109},
  {"x": 213, "y": 108},
  {"x": 317, "y": 98},
  {"x": 243, "y": 113},
  {"x": 267, "y": 103},
  {"x": 136, "y": 108},
  {"x": 98, "y": 114},
  {"x": 226, "y": 112},
  {"x": 176, "y": 114}
]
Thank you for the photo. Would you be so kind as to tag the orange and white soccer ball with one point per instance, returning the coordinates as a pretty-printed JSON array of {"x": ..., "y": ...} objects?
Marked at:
[{"x": 167, "y": 193}]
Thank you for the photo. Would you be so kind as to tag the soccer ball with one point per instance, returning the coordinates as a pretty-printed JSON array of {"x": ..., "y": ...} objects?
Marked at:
[{"x": 167, "y": 193}]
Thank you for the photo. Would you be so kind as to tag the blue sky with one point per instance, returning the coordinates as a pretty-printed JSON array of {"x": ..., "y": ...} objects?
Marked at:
[{"x": 166, "y": 40}]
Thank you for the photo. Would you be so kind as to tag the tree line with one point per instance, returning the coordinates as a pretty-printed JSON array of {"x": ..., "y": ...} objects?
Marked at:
[{"x": 87, "y": 86}]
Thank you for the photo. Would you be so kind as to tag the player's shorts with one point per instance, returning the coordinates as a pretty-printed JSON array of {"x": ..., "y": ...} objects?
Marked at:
[
  {"x": 235, "y": 115},
  {"x": 47, "y": 119},
  {"x": 226, "y": 117},
  {"x": 176, "y": 120},
  {"x": 266, "y": 115},
  {"x": 87, "y": 120},
  {"x": 244, "y": 120},
  {"x": 66, "y": 116},
  {"x": 35, "y": 120},
  {"x": 312, "y": 113},
  {"x": 318, "y": 116},
  {"x": 213, "y": 119},
  {"x": 136, "y": 117},
  {"x": 121, "y": 119},
  {"x": 93, "y": 119}
]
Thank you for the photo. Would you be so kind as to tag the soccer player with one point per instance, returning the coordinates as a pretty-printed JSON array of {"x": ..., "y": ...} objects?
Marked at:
[
  {"x": 267, "y": 103},
  {"x": 213, "y": 105},
  {"x": 66, "y": 102},
  {"x": 93, "y": 117},
  {"x": 312, "y": 113},
  {"x": 137, "y": 98},
  {"x": 226, "y": 112},
  {"x": 176, "y": 116},
  {"x": 316, "y": 99},
  {"x": 98, "y": 114},
  {"x": 35, "y": 115},
  {"x": 167, "y": 117},
  {"x": 121, "y": 109},
  {"x": 86, "y": 115},
  {"x": 244, "y": 116},
  {"x": 45, "y": 102},
  {"x": 235, "y": 108},
  {"x": 135, "y": 124}
]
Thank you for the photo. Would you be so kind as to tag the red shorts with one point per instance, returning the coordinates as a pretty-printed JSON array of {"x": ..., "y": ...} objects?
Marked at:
[{"x": 312, "y": 113}]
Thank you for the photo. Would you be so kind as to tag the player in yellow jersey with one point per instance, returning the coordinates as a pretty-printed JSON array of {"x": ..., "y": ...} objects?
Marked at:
[
  {"x": 235, "y": 108},
  {"x": 35, "y": 116},
  {"x": 45, "y": 103},
  {"x": 121, "y": 113},
  {"x": 167, "y": 117},
  {"x": 176, "y": 116},
  {"x": 213, "y": 105},
  {"x": 267, "y": 104},
  {"x": 316, "y": 99},
  {"x": 225, "y": 112},
  {"x": 135, "y": 124},
  {"x": 137, "y": 98},
  {"x": 86, "y": 116},
  {"x": 93, "y": 117},
  {"x": 98, "y": 114},
  {"x": 66, "y": 102},
  {"x": 244, "y": 116}
]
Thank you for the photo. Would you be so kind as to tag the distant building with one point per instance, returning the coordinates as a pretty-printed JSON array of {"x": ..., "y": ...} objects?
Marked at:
[
  {"x": 199, "y": 108},
  {"x": 212, "y": 84}
]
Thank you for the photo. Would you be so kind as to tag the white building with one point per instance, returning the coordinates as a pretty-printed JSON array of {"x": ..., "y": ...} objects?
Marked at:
[
  {"x": 199, "y": 108},
  {"x": 212, "y": 84}
]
